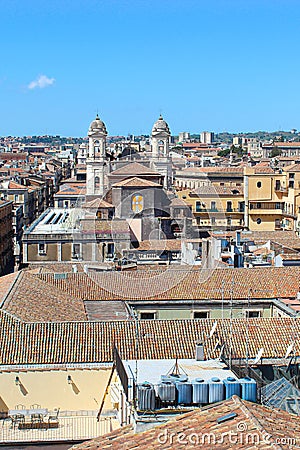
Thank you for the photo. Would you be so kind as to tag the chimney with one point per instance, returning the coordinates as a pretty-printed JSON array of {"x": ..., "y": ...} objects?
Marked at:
[{"x": 199, "y": 351}]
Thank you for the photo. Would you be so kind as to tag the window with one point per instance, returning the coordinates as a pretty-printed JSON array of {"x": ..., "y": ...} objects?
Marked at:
[
  {"x": 148, "y": 315},
  {"x": 201, "y": 314},
  {"x": 229, "y": 207},
  {"x": 76, "y": 251},
  {"x": 277, "y": 185},
  {"x": 258, "y": 205},
  {"x": 291, "y": 175},
  {"x": 241, "y": 206},
  {"x": 258, "y": 221},
  {"x": 252, "y": 314},
  {"x": 110, "y": 250},
  {"x": 137, "y": 203},
  {"x": 291, "y": 184},
  {"x": 198, "y": 206},
  {"x": 213, "y": 221},
  {"x": 97, "y": 183},
  {"x": 277, "y": 205},
  {"x": 42, "y": 249},
  {"x": 258, "y": 184},
  {"x": 213, "y": 206}
]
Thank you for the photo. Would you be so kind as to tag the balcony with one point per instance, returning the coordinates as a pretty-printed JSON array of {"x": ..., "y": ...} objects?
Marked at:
[
  {"x": 280, "y": 188},
  {"x": 219, "y": 211},
  {"x": 72, "y": 426},
  {"x": 266, "y": 211}
]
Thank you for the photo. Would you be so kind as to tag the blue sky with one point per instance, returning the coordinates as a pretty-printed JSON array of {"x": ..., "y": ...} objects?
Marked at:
[{"x": 218, "y": 65}]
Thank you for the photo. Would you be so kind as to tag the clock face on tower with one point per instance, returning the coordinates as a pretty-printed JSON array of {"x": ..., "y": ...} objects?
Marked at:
[{"x": 137, "y": 203}]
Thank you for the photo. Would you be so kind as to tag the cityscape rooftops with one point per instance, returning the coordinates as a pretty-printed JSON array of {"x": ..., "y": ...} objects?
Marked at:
[{"x": 221, "y": 425}]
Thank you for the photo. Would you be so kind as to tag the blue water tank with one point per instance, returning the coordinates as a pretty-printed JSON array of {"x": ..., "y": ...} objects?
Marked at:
[
  {"x": 232, "y": 387},
  {"x": 184, "y": 390},
  {"x": 215, "y": 390},
  {"x": 200, "y": 391},
  {"x": 249, "y": 389},
  {"x": 166, "y": 391},
  {"x": 146, "y": 396}
]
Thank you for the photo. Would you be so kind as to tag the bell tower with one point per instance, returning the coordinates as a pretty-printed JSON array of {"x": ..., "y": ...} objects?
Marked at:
[
  {"x": 160, "y": 160},
  {"x": 96, "y": 163}
]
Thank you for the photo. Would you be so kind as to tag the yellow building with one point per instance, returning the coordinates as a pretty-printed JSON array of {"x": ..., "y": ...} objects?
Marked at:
[
  {"x": 216, "y": 206},
  {"x": 266, "y": 200}
]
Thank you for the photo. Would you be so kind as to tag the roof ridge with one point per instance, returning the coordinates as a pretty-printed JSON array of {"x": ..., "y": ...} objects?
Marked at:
[
  {"x": 249, "y": 415},
  {"x": 11, "y": 289}
]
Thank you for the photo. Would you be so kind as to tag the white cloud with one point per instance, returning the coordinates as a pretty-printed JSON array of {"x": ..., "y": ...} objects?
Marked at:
[{"x": 41, "y": 82}]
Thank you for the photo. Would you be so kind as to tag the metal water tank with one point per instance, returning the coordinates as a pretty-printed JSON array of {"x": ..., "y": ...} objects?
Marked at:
[
  {"x": 215, "y": 390},
  {"x": 166, "y": 391},
  {"x": 185, "y": 392},
  {"x": 232, "y": 387},
  {"x": 200, "y": 391},
  {"x": 249, "y": 389},
  {"x": 146, "y": 396}
]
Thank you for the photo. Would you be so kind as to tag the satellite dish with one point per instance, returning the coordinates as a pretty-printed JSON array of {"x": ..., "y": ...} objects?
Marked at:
[
  {"x": 259, "y": 355},
  {"x": 213, "y": 329},
  {"x": 289, "y": 349}
]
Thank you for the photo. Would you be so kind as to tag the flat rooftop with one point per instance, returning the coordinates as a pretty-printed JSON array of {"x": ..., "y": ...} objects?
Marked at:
[
  {"x": 55, "y": 220},
  {"x": 151, "y": 370}
]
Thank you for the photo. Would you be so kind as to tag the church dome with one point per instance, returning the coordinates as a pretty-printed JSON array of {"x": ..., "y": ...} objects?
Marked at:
[
  {"x": 160, "y": 126},
  {"x": 97, "y": 126}
]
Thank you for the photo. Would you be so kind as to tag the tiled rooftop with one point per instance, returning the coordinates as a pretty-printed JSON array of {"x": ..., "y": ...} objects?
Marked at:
[
  {"x": 215, "y": 189},
  {"x": 162, "y": 244},
  {"x": 32, "y": 299},
  {"x": 136, "y": 182},
  {"x": 269, "y": 428},
  {"x": 135, "y": 169},
  {"x": 97, "y": 203},
  {"x": 87, "y": 342},
  {"x": 39, "y": 295},
  {"x": 260, "y": 283},
  {"x": 96, "y": 226}
]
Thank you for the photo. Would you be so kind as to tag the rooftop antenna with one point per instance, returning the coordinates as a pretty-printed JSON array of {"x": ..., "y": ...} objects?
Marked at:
[
  {"x": 258, "y": 356},
  {"x": 231, "y": 313},
  {"x": 222, "y": 293},
  {"x": 221, "y": 351},
  {"x": 176, "y": 369},
  {"x": 289, "y": 350},
  {"x": 213, "y": 329}
]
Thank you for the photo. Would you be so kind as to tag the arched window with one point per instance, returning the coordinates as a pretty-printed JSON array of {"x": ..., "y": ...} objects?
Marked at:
[
  {"x": 97, "y": 183},
  {"x": 137, "y": 203}
]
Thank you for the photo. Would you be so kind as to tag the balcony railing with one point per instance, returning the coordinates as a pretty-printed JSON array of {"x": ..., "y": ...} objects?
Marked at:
[
  {"x": 218, "y": 210},
  {"x": 70, "y": 428}
]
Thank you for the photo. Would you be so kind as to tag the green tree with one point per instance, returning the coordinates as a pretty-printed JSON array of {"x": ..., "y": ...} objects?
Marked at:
[{"x": 275, "y": 152}]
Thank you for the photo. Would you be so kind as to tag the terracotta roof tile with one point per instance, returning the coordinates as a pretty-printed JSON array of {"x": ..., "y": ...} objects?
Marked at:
[
  {"x": 134, "y": 169},
  {"x": 136, "y": 182},
  {"x": 162, "y": 244},
  {"x": 251, "y": 424},
  {"x": 261, "y": 283},
  {"x": 32, "y": 299},
  {"x": 97, "y": 203},
  {"x": 74, "y": 342}
]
